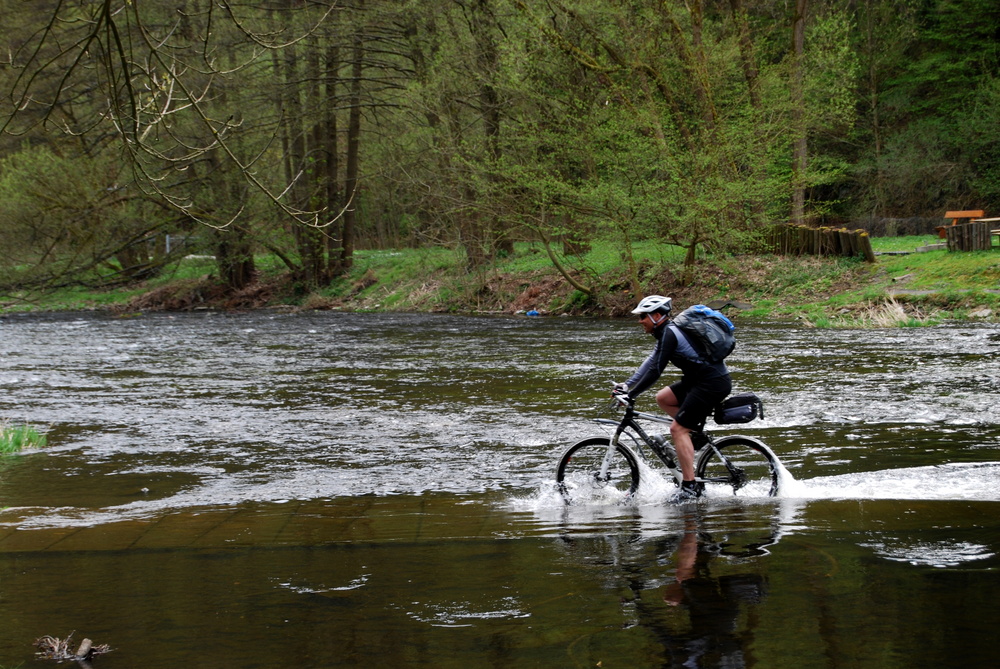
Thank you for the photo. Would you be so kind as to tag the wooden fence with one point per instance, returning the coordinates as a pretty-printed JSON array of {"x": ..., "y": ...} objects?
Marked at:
[
  {"x": 804, "y": 240},
  {"x": 969, "y": 237}
]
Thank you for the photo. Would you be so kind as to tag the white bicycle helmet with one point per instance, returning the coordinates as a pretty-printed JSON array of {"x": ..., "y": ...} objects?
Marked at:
[{"x": 653, "y": 303}]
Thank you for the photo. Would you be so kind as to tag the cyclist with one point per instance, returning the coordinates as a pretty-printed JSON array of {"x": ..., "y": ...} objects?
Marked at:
[{"x": 703, "y": 385}]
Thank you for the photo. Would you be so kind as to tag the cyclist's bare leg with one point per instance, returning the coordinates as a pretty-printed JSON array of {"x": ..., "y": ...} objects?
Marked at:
[
  {"x": 667, "y": 401},
  {"x": 680, "y": 435}
]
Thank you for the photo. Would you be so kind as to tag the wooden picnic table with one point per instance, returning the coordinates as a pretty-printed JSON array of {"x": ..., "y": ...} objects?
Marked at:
[{"x": 965, "y": 216}]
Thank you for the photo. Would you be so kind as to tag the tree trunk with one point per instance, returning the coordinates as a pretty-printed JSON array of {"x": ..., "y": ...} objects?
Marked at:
[
  {"x": 293, "y": 146},
  {"x": 750, "y": 72},
  {"x": 487, "y": 65},
  {"x": 331, "y": 161},
  {"x": 872, "y": 41},
  {"x": 234, "y": 258},
  {"x": 311, "y": 244},
  {"x": 799, "y": 142},
  {"x": 351, "y": 194}
]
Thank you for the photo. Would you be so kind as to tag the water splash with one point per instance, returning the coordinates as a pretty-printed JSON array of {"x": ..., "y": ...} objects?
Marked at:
[{"x": 937, "y": 554}]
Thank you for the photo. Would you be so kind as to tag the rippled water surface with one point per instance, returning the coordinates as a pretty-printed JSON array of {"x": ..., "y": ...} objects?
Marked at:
[{"x": 324, "y": 489}]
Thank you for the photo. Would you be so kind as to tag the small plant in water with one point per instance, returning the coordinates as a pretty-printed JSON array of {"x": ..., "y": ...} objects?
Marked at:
[
  {"x": 52, "y": 648},
  {"x": 15, "y": 438}
]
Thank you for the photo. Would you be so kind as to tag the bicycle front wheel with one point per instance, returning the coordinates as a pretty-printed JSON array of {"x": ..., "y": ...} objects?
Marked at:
[
  {"x": 590, "y": 471},
  {"x": 748, "y": 468}
]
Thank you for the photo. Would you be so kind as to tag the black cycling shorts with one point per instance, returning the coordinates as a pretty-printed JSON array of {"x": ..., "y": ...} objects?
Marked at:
[{"x": 698, "y": 399}]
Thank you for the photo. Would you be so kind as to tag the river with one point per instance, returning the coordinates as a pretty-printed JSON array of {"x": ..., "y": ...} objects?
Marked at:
[{"x": 329, "y": 489}]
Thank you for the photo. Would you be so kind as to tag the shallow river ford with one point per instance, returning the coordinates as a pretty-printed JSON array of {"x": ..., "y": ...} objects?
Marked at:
[{"x": 332, "y": 490}]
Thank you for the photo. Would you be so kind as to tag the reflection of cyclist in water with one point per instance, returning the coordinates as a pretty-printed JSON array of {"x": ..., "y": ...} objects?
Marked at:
[{"x": 713, "y": 606}]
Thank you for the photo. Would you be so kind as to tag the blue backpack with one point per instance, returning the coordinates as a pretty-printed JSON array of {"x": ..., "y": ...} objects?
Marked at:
[{"x": 709, "y": 329}]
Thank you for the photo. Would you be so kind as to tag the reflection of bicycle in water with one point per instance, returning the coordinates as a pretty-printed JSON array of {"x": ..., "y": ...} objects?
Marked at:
[
  {"x": 608, "y": 468},
  {"x": 692, "y": 590}
]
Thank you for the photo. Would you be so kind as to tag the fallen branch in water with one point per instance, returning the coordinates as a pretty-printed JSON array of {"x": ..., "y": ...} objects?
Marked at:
[{"x": 51, "y": 648}]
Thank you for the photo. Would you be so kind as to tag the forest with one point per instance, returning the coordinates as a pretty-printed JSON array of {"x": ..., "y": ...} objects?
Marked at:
[{"x": 135, "y": 133}]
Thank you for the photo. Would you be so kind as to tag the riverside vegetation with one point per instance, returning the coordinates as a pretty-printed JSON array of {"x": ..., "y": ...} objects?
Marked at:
[
  {"x": 902, "y": 287},
  {"x": 330, "y": 128},
  {"x": 15, "y": 438}
]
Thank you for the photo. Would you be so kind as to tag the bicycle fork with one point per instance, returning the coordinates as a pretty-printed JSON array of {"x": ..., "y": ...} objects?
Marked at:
[{"x": 609, "y": 455}]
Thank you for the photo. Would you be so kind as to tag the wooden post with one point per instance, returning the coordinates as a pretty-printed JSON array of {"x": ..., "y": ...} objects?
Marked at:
[
  {"x": 866, "y": 246},
  {"x": 843, "y": 242},
  {"x": 85, "y": 650},
  {"x": 788, "y": 239}
]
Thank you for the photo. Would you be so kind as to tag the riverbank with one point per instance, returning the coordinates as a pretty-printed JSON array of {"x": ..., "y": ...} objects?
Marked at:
[{"x": 903, "y": 286}]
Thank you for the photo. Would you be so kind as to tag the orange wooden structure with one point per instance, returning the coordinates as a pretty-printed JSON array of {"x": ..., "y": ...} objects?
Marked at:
[{"x": 956, "y": 217}]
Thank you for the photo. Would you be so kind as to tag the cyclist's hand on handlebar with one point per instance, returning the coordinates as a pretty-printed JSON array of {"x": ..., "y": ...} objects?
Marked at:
[{"x": 619, "y": 395}]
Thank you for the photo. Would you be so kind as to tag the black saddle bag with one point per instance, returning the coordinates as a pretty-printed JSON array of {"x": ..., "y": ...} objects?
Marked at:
[{"x": 740, "y": 408}]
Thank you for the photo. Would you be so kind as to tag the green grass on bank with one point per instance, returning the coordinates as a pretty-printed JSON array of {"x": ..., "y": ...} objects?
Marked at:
[
  {"x": 906, "y": 288},
  {"x": 910, "y": 289},
  {"x": 439, "y": 279},
  {"x": 81, "y": 298},
  {"x": 903, "y": 287}
]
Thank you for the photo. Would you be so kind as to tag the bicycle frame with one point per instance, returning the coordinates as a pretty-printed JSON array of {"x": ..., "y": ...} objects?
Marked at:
[
  {"x": 665, "y": 452},
  {"x": 611, "y": 464}
]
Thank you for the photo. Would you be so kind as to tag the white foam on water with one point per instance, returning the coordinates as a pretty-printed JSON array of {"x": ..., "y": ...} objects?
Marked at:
[{"x": 959, "y": 481}]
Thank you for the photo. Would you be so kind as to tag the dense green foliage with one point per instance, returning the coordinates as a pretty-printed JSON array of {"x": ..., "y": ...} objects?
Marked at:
[{"x": 308, "y": 131}]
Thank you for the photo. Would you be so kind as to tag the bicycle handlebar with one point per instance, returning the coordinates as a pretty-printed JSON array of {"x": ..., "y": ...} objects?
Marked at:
[{"x": 622, "y": 399}]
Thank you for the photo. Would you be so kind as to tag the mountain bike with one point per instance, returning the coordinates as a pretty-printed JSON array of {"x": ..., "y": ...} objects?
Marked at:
[{"x": 607, "y": 468}]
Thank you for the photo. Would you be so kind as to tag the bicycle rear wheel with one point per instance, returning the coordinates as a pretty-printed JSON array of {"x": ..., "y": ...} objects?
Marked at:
[
  {"x": 748, "y": 468},
  {"x": 579, "y": 472}
]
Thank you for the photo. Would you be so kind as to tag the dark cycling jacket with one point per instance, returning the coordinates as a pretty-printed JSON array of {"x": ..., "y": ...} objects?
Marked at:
[{"x": 673, "y": 347}]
